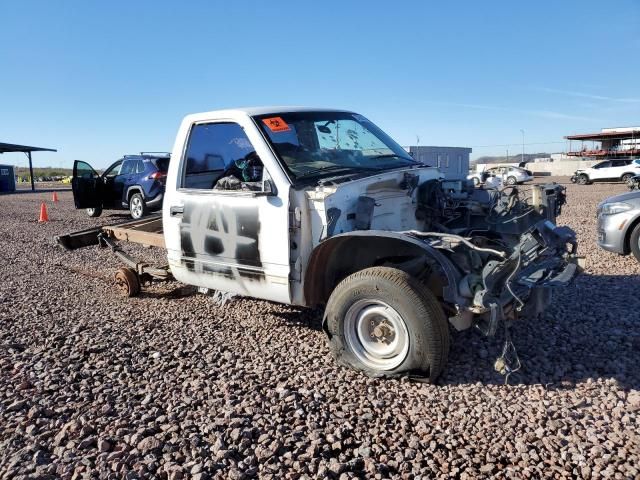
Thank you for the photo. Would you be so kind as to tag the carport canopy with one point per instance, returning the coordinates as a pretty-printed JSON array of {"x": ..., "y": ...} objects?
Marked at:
[{"x": 12, "y": 147}]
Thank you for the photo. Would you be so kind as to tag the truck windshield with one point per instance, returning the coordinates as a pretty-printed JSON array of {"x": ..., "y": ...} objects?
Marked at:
[{"x": 312, "y": 145}]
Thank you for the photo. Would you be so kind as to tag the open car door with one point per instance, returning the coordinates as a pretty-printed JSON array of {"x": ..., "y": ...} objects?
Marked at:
[{"x": 87, "y": 185}]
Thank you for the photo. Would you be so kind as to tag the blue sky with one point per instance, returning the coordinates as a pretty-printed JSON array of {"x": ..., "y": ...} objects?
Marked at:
[{"x": 100, "y": 79}]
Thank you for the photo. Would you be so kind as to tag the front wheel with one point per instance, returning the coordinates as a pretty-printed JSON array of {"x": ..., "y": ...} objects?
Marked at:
[
  {"x": 583, "y": 179},
  {"x": 634, "y": 242},
  {"x": 137, "y": 206},
  {"x": 94, "y": 212},
  {"x": 384, "y": 322}
]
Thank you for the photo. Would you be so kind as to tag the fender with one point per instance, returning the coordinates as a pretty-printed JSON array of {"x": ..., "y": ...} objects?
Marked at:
[
  {"x": 132, "y": 188},
  {"x": 343, "y": 254}
]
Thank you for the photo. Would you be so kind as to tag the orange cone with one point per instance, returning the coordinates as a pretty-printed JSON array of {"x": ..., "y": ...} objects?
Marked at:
[
  {"x": 54, "y": 197},
  {"x": 44, "y": 216}
]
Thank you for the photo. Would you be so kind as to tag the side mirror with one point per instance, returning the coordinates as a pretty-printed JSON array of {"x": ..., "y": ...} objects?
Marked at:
[{"x": 268, "y": 189}]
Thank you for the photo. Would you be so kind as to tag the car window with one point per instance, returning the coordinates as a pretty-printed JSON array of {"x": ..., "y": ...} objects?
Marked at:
[
  {"x": 139, "y": 166},
  {"x": 128, "y": 167},
  {"x": 113, "y": 170},
  {"x": 619, "y": 163},
  {"x": 216, "y": 151},
  {"x": 162, "y": 164},
  {"x": 602, "y": 165}
]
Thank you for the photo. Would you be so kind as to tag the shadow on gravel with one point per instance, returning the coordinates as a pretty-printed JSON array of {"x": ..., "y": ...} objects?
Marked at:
[
  {"x": 302, "y": 317},
  {"x": 591, "y": 331}
]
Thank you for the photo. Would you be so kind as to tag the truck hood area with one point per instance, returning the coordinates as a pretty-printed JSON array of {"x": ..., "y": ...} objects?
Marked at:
[{"x": 499, "y": 248}]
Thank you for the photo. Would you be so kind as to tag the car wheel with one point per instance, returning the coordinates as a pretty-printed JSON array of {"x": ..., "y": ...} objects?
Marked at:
[
  {"x": 94, "y": 212},
  {"x": 137, "y": 206},
  {"x": 634, "y": 242},
  {"x": 583, "y": 179},
  {"x": 626, "y": 177},
  {"x": 384, "y": 322},
  {"x": 511, "y": 180}
]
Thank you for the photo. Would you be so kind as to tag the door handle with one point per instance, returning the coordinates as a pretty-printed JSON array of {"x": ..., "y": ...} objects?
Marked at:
[{"x": 176, "y": 210}]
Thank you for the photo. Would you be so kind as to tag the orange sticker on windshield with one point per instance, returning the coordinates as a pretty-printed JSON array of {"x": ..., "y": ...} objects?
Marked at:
[{"x": 276, "y": 124}]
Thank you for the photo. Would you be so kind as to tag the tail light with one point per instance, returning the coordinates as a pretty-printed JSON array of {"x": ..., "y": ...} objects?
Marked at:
[{"x": 158, "y": 175}]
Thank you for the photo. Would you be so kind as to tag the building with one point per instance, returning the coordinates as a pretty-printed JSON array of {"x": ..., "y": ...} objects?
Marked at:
[
  {"x": 452, "y": 161},
  {"x": 623, "y": 142},
  {"x": 7, "y": 179}
]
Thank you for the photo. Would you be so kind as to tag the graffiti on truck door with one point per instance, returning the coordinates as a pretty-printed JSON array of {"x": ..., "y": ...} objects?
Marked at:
[{"x": 221, "y": 239}]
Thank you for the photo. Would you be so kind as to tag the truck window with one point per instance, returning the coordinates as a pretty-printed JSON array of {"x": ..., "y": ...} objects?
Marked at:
[{"x": 215, "y": 151}]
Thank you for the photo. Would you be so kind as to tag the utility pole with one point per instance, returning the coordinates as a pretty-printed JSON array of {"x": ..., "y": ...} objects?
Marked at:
[{"x": 522, "y": 145}]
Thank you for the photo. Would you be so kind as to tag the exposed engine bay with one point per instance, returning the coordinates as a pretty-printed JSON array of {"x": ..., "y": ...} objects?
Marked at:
[{"x": 494, "y": 254}]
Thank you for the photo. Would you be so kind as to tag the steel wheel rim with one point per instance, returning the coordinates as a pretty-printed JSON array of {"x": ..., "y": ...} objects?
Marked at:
[
  {"x": 136, "y": 203},
  {"x": 376, "y": 334}
]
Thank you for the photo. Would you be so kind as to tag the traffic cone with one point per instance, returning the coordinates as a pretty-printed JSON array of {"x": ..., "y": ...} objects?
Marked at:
[
  {"x": 44, "y": 216},
  {"x": 54, "y": 197}
]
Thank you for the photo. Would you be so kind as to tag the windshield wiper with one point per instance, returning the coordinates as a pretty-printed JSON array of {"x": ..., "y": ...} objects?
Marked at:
[
  {"x": 330, "y": 168},
  {"x": 393, "y": 155}
]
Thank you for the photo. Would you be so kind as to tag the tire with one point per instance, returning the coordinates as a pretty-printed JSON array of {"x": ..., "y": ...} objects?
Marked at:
[
  {"x": 127, "y": 282},
  {"x": 511, "y": 181},
  {"x": 386, "y": 302},
  {"x": 137, "y": 206},
  {"x": 583, "y": 179},
  {"x": 634, "y": 242},
  {"x": 94, "y": 212},
  {"x": 626, "y": 177}
]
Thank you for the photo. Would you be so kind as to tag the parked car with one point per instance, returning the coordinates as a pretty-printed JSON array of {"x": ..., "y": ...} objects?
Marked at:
[
  {"x": 619, "y": 224},
  {"x": 607, "y": 170},
  {"x": 273, "y": 204},
  {"x": 135, "y": 182},
  {"x": 508, "y": 175}
]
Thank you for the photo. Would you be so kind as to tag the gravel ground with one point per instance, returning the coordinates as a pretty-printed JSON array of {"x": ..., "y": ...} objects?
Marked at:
[{"x": 95, "y": 385}]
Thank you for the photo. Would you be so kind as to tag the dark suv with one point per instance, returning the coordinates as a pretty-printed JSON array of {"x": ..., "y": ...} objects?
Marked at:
[{"x": 135, "y": 182}]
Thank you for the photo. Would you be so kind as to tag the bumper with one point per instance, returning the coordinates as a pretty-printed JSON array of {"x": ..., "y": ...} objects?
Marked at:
[
  {"x": 612, "y": 231},
  {"x": 156, "y": 202}
]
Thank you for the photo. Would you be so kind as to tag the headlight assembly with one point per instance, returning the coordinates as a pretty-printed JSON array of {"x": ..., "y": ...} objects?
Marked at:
[{"x": 615, "y": 207}]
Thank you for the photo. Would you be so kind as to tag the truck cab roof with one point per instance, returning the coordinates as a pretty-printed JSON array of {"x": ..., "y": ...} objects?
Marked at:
[{"x": 252, "y": 111}]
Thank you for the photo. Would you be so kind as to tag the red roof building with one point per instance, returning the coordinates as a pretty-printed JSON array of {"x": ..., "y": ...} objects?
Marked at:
[{"x": 610, "y": 142}]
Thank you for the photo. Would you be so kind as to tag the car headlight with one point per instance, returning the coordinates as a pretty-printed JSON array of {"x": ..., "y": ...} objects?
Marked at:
[{"x": 615, "y": 207}]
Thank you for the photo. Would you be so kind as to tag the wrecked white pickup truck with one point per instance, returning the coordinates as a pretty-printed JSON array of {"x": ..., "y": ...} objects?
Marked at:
[{"x": 321, "y": 208}]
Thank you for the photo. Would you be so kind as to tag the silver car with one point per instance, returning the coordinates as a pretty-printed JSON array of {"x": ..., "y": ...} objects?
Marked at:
[{"x": 619, "y": 224}]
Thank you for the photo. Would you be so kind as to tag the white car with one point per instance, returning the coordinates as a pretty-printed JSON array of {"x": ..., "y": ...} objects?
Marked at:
[
  {"x": 608, "y": 170},
  {"x": 508, "y": 175}
]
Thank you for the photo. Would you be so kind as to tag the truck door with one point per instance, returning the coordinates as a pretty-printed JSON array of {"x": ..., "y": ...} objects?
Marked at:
[
  {"x": 87, "y": 185},
  {"x": 225, "y": 226}
]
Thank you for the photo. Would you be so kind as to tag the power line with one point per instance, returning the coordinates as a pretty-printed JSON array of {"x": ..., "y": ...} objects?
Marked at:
[{"x": 516, "y": 144}]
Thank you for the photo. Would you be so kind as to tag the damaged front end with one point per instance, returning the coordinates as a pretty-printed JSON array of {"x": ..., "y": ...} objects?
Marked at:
[
  {"x": 489, "y": 255},
  {"x": 505, "y": 247}
]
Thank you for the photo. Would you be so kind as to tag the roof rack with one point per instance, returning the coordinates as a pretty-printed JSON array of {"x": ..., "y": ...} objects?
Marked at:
[{"x": 166, "y": 154}]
